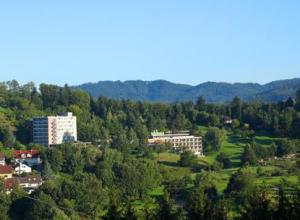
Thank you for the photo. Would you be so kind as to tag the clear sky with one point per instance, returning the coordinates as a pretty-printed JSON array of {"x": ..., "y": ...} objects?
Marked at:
[{"x": 77, "y": 41}]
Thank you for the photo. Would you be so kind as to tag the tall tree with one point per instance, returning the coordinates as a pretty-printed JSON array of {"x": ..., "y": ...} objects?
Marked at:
[
  {"x": 47, "y": 171},
  {"x": 200, "y": 104},
  {"x": 248, "y": 156},
  {"x": 187, "y": 159},
  {"x": 202, "y": 202},
  {"x": 258, "y": 205},
  {"x": 236, "y": 108},
  {"x": 55, "y": 159},
  {"x": 224, "y": 159},
  {"x": 213, "y": 138},
  {"x": 50, "y": 95},
  {"x": 167, "y": 210},
  {"x": 4, "y": 205}
]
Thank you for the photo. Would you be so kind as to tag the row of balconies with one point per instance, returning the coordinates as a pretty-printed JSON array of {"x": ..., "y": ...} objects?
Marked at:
[
  {"x": 40, "y": 140},
  {"x": 39, "y": 126},
  {"x": 40, "y": 134},
  {"x": 195, "y": 149},
  {"x": 40, "y": 130},
  {"x": 196, "y": 146},
  {"x": 37, "y": 123},
  {"x": 182, "y": 141},
  {"x": 187, "y": 139}
]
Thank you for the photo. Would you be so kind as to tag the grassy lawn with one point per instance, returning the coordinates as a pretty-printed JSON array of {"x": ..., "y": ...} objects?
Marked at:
[
  {"x": 168, "y": 161},
  {"x": 265, "y": 140},
  {"x": 232, "y": 146},
  {"x": 157, "y": 192},
  {"x": 275, "y": 180},
  {"x": 167, "y": 157},
  {"x": 224, "y": 176}
]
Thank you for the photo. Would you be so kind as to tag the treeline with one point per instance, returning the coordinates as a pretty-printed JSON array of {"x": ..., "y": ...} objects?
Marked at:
[{"x": 105, "y": 119}]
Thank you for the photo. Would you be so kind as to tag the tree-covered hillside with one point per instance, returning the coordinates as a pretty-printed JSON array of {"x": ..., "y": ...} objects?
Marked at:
[
  {"x": 159, "y": 90},
  {"x": 164, "y": 91}
]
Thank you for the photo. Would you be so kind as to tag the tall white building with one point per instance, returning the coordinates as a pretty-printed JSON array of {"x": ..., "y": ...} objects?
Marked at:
[{"x": 53, "y": 130}]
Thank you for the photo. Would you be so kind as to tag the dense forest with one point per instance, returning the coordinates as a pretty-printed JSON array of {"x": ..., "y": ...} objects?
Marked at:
[
  {"x": 113, "y": 174},
  {"x": 213, "y": 92}
]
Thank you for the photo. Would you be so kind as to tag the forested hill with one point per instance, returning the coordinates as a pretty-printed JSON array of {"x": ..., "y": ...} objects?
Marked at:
[{"x": 164, "y": 91}]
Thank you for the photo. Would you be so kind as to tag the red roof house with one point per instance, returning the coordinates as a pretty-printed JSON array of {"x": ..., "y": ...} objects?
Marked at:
[
  {"x": 9, "y": 184},
  {"x": 29, "y": 183},
  {"x": 6, "y": 171},
  {"x": 23, "y": 154},
  {"x": 30, "y": 157}
]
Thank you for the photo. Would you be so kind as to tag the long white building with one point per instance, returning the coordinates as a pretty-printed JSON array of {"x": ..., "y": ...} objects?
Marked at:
[
  {"x": 179, "y": 141},
  {"x": 53, "y": 130}
]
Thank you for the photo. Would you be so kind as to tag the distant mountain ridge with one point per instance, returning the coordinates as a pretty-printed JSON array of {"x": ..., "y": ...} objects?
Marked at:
[{"x": 213, "y": 92}]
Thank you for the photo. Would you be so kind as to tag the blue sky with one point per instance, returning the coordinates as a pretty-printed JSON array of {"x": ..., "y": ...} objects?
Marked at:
[{"x": 182, "y": 41}]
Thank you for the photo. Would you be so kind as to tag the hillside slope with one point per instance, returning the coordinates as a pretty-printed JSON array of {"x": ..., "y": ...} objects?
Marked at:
[{"x": 165, "y": 91}]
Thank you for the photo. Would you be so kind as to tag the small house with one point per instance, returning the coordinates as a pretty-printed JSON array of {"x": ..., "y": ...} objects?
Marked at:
[
  {"x": 22, "y": 168},
  {"x": 31, "y": 157},
  {"x": 227, "y": 120},
  {"x": 30, "y": 182},
  {"x": 6, "y": 171}
]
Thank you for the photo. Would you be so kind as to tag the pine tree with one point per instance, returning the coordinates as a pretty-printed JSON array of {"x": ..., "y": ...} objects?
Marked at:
[
  {"x": 47, "y": 172},
  {"x": 249, "y": 156},
  {"x": 166, "y": 209}
]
